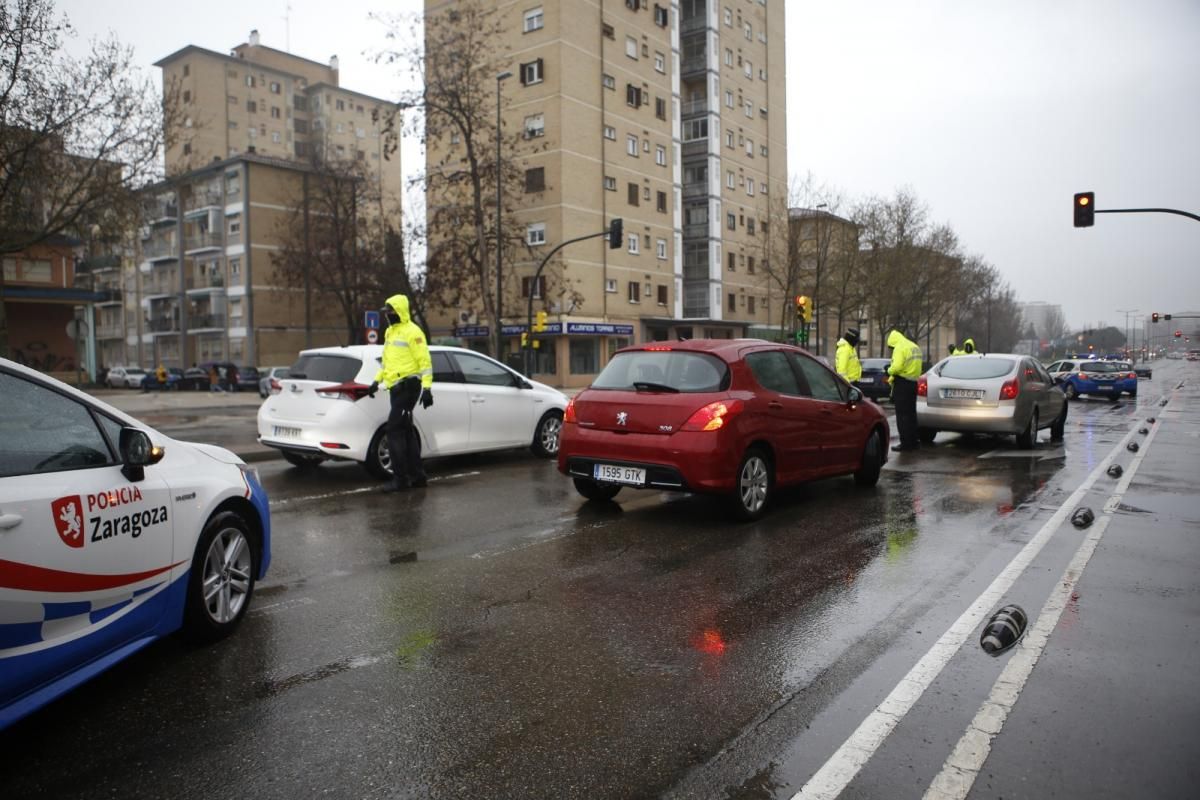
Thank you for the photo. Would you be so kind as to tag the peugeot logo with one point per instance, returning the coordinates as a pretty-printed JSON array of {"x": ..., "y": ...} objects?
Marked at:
[{"x": 622, "y": 417}]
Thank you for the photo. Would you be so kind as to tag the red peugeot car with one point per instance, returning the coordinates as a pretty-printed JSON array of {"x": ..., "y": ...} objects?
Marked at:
[{"x": 723, "y": 416}]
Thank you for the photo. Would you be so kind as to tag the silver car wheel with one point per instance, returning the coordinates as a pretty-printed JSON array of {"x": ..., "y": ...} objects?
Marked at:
[
  {"x": 753, "y": 484},
  {"x": 226, "y": 582},
  {"x": 383, "y": 454},
  {"x": 549, "y": 433}
]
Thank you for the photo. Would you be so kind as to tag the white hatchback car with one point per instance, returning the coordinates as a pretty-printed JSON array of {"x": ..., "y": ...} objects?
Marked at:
[
  {"x": 111, "y": 536},
  {"x": 125, "y": 377},
  {"x": 322, "y": 410}
]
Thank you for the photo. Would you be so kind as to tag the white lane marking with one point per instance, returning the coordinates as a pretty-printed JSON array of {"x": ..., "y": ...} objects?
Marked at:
[
  {"x": 360, "y": 490},
  {"x": 841, "y": 768},
  {"x": 282, "y": 605},
  {"x": 962, "y": 767}
]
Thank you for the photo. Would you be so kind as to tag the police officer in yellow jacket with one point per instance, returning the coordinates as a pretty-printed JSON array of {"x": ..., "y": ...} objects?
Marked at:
[
  {"x": 407, "y": 374},
  {"x": 902, "y": 374},
  {"x": 968, "y": 347},
  {"x": 845, "y": 360}
]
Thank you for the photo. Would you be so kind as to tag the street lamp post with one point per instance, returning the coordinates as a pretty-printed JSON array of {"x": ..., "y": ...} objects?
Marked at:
[
  {"x": 499, "y": 336},
  {"x": 1127, "y": 312}
]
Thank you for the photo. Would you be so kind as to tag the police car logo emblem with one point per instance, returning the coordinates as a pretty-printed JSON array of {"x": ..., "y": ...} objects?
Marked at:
[
  {"x": 622, "y": 417},
  {"x": 68, "y": 519}
]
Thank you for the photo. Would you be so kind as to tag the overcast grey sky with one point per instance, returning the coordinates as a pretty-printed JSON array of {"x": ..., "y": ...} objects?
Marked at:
[{"x": 993, "y": 114}]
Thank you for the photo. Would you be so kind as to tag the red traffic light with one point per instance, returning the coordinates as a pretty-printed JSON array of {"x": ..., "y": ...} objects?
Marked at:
[
  {"x": 1178, "y": 334},
  {"x": 1154, "y": 316}
]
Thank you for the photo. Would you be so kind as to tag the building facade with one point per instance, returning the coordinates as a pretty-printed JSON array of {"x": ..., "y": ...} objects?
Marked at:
[{"x": 669, "y": 116}]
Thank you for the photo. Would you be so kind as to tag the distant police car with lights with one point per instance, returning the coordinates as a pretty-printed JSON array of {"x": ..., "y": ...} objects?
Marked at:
[{"x": 111, "y": 535}]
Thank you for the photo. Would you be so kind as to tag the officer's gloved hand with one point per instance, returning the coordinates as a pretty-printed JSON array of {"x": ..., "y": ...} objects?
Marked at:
[
  {"x": 426, "y": 398},
  {"x": 374, "y": 388}
]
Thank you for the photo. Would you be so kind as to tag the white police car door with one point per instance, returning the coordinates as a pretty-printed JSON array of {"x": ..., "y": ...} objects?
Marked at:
[{"x": 84, "y": 551}]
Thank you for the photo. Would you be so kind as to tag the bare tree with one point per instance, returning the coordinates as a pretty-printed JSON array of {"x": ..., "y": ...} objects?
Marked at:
[
  {"x": 78, "y": 137},
  {"x": 458, "y": 68}
]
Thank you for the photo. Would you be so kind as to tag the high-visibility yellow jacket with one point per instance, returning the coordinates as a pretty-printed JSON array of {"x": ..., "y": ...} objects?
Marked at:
[
  {"x": 846, "y": 361},
  {"x": 968, "y": 347},
  {"x": 906, "y": 357},
  {"x": 405, "y": 352}
]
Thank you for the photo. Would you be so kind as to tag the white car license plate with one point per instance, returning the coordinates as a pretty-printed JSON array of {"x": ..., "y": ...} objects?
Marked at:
[
  {"x": 614, "y": 474},
  {"x": 962, "y": 394},
  {"x": 287, "y": 433}
]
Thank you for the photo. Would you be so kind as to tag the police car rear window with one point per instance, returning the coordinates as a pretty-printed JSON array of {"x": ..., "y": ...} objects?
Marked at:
[
  {"x": 321, "y": 367},
  {"x": 978, "y": 369}
]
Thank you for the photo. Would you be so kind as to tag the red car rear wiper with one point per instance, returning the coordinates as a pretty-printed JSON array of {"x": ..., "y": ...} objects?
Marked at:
[{"x": 646, "y": 386}]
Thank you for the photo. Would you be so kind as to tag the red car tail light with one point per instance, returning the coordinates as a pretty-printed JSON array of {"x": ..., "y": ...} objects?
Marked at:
[
  {"x": 1083, "y": 376},
  {"x": 658, "y": 348},
  {"x": 713, "y": 416},
  {"x": 569, "y": 412},
  {"x": 1133, "y": 375},
  {"x": 344, "y": 391},
  {"x": 275, "y": 386},
  {"x": 922, "y": 386},
  {"x": 1010, "y": 390}
]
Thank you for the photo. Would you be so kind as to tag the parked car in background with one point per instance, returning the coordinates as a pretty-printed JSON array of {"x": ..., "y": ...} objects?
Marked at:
[
  {"x": 124, "y": 377},
  {"x": 1001, "y": 393},
  {"x": 268, "y": 379},
  {"x": 194, "y": 379},
  {"x": 247, "y": 379},
  {"x": 323, "y": 412},
  {"x": 874, "y": 378},
  {"x": 1097, "y": 378},
  {"x": 112, "y": 535},
  {"x": 733, "y": 417},
  {"x": 174, "y": 379}
]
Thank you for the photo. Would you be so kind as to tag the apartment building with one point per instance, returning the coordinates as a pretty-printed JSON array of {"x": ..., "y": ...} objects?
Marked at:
[{"x": 667, "y": 115}]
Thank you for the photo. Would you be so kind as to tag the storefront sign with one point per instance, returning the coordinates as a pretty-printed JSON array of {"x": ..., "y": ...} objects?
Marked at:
[
  {"x": 472, "y": 332},
  {"x": 599, "y": 329}
]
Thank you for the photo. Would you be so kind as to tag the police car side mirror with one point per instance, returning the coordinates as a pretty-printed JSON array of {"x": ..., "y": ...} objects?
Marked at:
[{"x": 137, "y": 453}]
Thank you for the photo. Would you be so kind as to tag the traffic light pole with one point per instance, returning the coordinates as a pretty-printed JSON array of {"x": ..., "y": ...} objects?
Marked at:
[
  {"x": 1187, "y": 214},
  {"x": 528, "y": 360}
]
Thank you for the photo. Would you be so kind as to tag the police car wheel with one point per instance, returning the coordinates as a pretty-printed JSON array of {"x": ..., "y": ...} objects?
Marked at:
[
  {"x": 545, "y": 439},
  {"x": 1071, "y": 392},
  {"x": 221, "y": 580}
]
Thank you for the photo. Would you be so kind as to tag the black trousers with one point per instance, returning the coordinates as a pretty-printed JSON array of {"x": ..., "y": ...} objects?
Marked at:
[
  {"x": 403, "y": 443},
  {"x": 904, "y": 398}
]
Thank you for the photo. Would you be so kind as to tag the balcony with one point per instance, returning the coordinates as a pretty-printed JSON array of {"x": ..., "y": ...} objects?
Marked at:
[
  {"x": 161, "y": 212},
  {"x": 697, "y": 189},
  {"x": 695, "y": 147},
  {"x": 162, "y": 325},
  {"x": 165, "y": 286},
  {"x": 208, "y": 240},
  {"x": 199, "y": 322},
  {"x": 205, "y": 281},
  {"x": 693, "y": 24},
  {"x": 692, "y": 108},
  {"x": 110, "y": 332},
  {"x": 204, "y": 199},
  {"x": 693, "y": 65},
  {"x": 159, "y": 250},
  {"x": 696, "y": 231}
]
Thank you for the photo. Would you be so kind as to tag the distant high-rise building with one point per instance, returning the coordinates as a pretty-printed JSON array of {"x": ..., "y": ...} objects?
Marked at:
[
  {"x": 669, "y": 115},
  {"x": 1040, "y": 315}
]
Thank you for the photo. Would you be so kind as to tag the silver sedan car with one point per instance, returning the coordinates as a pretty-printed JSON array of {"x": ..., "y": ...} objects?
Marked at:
[{"x": 990, "y": 393}]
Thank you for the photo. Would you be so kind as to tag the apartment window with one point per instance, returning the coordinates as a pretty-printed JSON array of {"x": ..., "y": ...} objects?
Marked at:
[
  {"x": 341, "y": 105},
  {"x": 728, "y": 99},
  {"x": 631, "y": 47},
  {"x": 732, "y": 262},
  {"x": 661, "y": 204},
  {"x": 455, "y": 137},
  {"x": 275, "y": 87},
  {"x": 359, "y": 155},
  {"x": 535, "y": 126},
  {"x": 275, "y": 137},
  {"x": 633, "y": 5},
  {"x": 748, "y": 68},
  {"x": 535, "y": 179},
  {"x": 662, "y": 294},
  {"x": 750, "y": 227},
  {"x": 660, "y": 155},
  {"x": 610, "y": 285},
  {"x": 750, "y": 147},
  {"x": 749, "y": 108},
  {"x": 695, "y": 130},
  {"x": 235, "y": 225},
  {"x": 635, "y": 244},
  {"x": 301, "y": 125},
  {"x": 534, "y": 19},
  {"x": 610, "y": 183},
  {"x": 749, "y": 32},
  {"x": 762, "y": 151},
  {"x": 732, "y": 301},
  {"x": 232, "y": 125},
  {"x": 660, "y": 61},
  {"x": 187, "y": 148},
  {"x": 341, "y": 128},
  {"x": 232, "y": 100},
  {"x": 538, "y": 287},
  {"x": 610, "y": 133},
  {"x": 660, "y": 108},
  {"x": 661, "y": 18},
  {"x": 646, "y": 197},
  {"x": 728, "y": 57},
  {"x": 301, "y": 149},
  {"x": 731, "y": 223},
  {"x": 535, "y": 233},
  {"x": 750, "y": 304},
  {"x": 729, "y": 138},
  {"x": 660, "y": 249},
  {"x": 631, "y": 145},
  {"x": 251, "y": 107},
  {"x": 728, "y": 18},
  {"x": 187, "y": 70},
  {"x": 250, "y": 81},
  {"x": 532, "y": 73},
  {"x": 609, "y": 81},
  {"x": 633, "y": 95},
  {"x": 607, "y": 30},
  {"x": 750, "y": 186},
  {"x": 750, "y": 264},
  {"x": 632, "y": 195},
  {"x": 187, "y": 96},
  {"x": 275, "y": 113},
  {"x": 730, "y": 182},
  {"x": 635, "y": 289},
  {"x": 300, "y": 102}
]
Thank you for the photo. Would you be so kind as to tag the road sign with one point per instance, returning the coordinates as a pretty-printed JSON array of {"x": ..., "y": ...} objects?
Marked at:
[
  {"x": 371, "y": 319},
  {"x": 372, "y": 335}
]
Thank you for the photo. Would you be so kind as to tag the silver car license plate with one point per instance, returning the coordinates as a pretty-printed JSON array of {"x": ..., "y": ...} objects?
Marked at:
[
  {"x": 287, "y": 433},
  {"x": 866, "y": 379},
  {"x": 613, "y": 473},
  {"x": 962, "y": 394}
]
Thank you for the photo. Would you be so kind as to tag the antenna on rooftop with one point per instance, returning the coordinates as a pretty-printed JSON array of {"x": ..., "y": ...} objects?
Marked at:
[{"x": 287, "y": 28}]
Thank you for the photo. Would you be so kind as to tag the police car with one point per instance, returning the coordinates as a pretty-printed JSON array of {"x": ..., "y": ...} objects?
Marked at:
[{"x": 111, "y": 536}]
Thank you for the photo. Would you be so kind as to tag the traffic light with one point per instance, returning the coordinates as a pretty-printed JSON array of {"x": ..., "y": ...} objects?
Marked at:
[
  {"x": 540, "y": 325},
  {"x": 1178, "y": 334},
  {"x": 524, "y": 340},
  {"x": 616, "y": 234},
  {"x": 803, "y": 310},
  {"x": 1085, "y": 209},
  {"x": 1167, "y": 317},
  {"x": 1154, "y": 317}
]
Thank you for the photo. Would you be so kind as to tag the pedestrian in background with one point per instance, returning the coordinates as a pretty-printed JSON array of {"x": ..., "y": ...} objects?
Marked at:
[
  {"x": 903, "y": 373},
  {"x": 845, "y": 360},
  {"x": 406, "y": 372},
  {"x": 968, "y": 347},
  {"x": 214, "y": 379}
]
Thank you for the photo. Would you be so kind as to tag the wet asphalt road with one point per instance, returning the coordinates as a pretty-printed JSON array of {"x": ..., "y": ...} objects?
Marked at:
[{"x": 494, "y": 635}]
